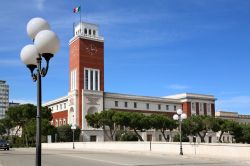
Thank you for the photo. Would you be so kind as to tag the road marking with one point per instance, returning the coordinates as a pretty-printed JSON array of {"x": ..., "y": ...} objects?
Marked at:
[{"x": 105, "y": 161}]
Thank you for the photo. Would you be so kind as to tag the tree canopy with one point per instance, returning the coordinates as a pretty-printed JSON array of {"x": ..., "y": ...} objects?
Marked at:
[{"x": 24, "y": 117}]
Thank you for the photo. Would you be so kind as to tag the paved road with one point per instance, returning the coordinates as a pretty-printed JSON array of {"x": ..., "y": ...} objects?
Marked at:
[{"x": 26, "y": 157}]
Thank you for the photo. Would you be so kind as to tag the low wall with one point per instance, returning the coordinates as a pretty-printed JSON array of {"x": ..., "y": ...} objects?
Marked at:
[{"x": 239, "y": 151}]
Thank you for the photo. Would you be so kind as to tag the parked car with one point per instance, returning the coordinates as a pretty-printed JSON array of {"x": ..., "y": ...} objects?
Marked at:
[{"x": 4, "y": 145}]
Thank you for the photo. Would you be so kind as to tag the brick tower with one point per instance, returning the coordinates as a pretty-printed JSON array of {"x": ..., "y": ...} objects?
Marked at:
[{"x": 86, "y": 75}]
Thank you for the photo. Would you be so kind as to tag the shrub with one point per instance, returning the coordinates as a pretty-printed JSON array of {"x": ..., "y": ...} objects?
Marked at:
[{"x": 126, "y": 136}]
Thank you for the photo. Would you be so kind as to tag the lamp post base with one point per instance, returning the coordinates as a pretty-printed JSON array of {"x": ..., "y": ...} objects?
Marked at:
[{"x": 181, "y": 152}]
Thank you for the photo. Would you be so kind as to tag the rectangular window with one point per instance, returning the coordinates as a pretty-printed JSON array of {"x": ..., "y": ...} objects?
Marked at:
[
  {"x": 86, "y": 80},
  {"x": 64, "y": 105},
  {"x": 174, "y": 107},
  {"x": 167, "y": 107},
  {"x": 159, "y": 106},
  {"x": 91, "y": 79},
  {"x": 116, "y": 103},
  {"x": 73, "y": 79},
  {"x": 93, "y": 138},
  {"x": 125, "y": 104},
  {"x": 135, "y": 105},
  {"x": 147, "y": 105},
  {"x": 96, "y": 80},
  {"x": 160, "y": 137}
]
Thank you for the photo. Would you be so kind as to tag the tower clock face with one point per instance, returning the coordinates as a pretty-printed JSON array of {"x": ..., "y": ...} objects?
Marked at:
[{"x": 91, "y": 49}]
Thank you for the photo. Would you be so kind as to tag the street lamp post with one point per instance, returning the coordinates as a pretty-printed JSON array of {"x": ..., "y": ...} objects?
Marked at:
[
  {"x": 73, "y": 127},
  {"x": 180, "y": 116},
  {"x": 46, "y": 44}
]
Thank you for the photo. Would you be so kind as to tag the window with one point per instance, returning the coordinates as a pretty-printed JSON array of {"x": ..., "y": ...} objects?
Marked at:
[
  {"x": 175, "y": 107},
  {"x": 85, "y": 31},
  {"x": 125, "y": 104},
  {"x": 159, "y": 106},
  {"x": 64, "y": 105},
  {"x": 91, "y": 79},
  {"x": 64, "y": 121},
  {"x": 89, "y": 31},
  {"x": 135, "y": 105},
  {"x": 167, "y": 107},
  {"x": 86, "y": 79},
  {"x": 147, "y": 105},
  {"x": 160, "y": 137},
  {"x": 93, "y": 138},
  {"x": 96, "y": 80},
  {"x": 149, "y": 137},
  {"x": 194, "y": 138},
  {"x": 60, "y": 122},
  {"x": 116, "y": 103},
  {"x": 94, "y": 32},
  {"x": 56, "y": 107},
  {"x": 73, "y": 79},
  {"x": 60, "y": 106}
]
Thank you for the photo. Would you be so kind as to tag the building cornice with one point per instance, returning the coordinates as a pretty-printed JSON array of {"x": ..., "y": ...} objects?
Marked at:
[
  {"x": 140, "y": 98},
  {"x": 98, "y": 39},
  {"x": 56, "y": 101},
  {"x": 190, "y": 96}
]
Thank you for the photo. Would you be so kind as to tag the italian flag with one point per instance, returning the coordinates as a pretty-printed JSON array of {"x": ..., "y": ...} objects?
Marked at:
[{"x": 77, "y": 9}]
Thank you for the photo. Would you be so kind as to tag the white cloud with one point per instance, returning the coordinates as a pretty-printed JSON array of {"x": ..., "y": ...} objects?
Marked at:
[
  {"x": 178, "y": 87},
  {"x": 236, "y": 104}
]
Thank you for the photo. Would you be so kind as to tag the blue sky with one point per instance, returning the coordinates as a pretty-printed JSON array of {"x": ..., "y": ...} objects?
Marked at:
[{"x": 152, "y": 47}]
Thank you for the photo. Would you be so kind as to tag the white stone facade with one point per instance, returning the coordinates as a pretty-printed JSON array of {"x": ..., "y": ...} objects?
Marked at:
[{"x": 4, "y": 98}]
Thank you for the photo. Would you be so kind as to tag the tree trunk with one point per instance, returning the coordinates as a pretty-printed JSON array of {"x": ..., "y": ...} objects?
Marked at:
[
  {"x": 222, "y": 132},
  {"x": 19, "y": 127},
  {"x": 164, "y": 136},
  {"x": 138, "y": 135},
  {"x": 112, "y": 132},
  {"x": 106, "y": 133},
  {"x": 202, "y": 137}
]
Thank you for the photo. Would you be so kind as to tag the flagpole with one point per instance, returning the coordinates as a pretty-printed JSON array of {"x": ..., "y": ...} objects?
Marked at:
[
  {"x": 80, "y": 13},
  {"x": 73, "y": 29}
]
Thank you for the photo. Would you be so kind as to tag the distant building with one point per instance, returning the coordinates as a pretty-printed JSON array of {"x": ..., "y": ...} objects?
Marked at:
[
  {"x": 234, "y": 116},
  {"x": 12, "y": 104},
  {"x": 243, "y": 119},
  {"x": 4, "y": 98}
]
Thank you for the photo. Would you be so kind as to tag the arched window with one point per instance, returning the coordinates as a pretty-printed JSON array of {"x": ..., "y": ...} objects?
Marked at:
[
  {"x": 89, "y": 31},
  {"x": 60, "y": 122},
  {"x": 85, "y": 31},
  {"x": 94, "y": 32}
]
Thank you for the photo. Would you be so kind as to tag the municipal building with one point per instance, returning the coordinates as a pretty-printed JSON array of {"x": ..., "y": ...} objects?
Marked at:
[{"x": 87, "y": 95}]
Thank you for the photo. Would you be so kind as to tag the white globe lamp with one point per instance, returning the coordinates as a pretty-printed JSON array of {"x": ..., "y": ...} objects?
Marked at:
[{"x": 35, "y": 25}]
